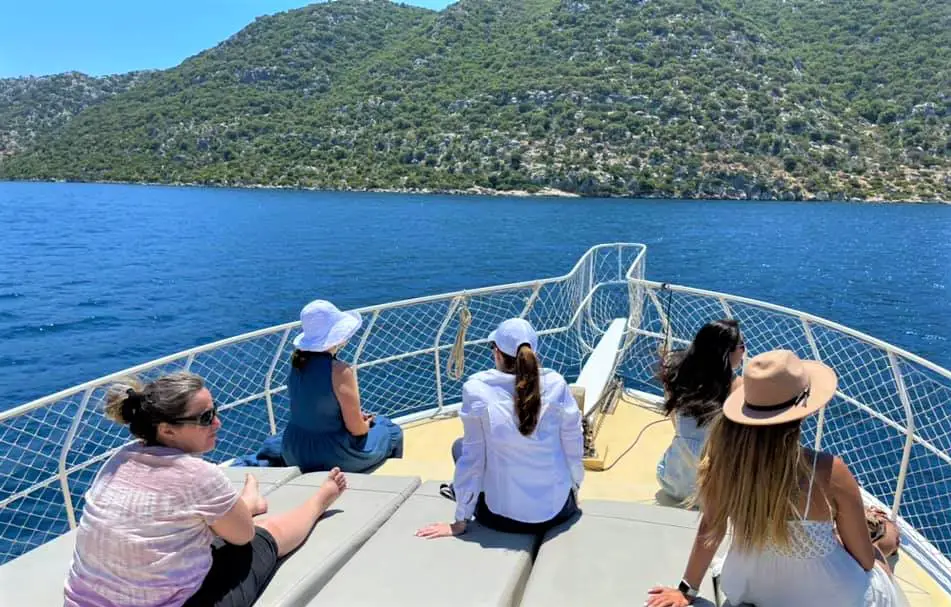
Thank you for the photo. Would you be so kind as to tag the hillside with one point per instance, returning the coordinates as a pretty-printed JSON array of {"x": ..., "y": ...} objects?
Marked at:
[
  {"x": 34, "y": 106},
  {"x": 687, "y": 98}
]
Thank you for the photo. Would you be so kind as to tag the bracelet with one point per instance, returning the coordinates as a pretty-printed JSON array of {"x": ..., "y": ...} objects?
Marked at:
[{"x": 687, "y": 590}]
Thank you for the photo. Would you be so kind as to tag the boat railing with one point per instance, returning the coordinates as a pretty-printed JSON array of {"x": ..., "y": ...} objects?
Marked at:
[
  {"x": 889, "y": 421},
  {"x": 407, "y": 354}
]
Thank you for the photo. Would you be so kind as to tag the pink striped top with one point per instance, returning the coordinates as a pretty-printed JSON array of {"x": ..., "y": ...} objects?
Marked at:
[{"x": 144, "y": 538}]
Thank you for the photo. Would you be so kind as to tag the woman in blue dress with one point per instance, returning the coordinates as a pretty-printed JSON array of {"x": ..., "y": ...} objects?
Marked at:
[
  {"x": 327, "y": 427},
  {"x": 696, "y": 383}
]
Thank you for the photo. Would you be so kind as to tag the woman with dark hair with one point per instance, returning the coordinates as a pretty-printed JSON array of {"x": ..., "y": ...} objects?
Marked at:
[
  {"x": 696, "y": 383},
  {"x": 328, "y": 427},
  {"x": 518, "y": 465},
  {"x": 162, "y": 527}
]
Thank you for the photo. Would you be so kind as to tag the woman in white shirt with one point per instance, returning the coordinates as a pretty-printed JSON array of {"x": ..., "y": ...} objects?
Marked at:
[{"x": 519, "y": 466}]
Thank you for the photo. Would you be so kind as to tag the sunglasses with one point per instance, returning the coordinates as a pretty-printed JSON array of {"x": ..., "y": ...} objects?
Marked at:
[{"x": 205, "y": 418}]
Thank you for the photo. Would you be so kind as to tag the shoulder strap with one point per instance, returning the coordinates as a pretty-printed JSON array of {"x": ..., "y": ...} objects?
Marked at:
[{"x": 812, "y": 481}]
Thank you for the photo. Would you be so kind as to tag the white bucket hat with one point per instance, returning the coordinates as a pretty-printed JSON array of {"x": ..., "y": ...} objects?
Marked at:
[
  {"x": 512, "y": 333},
  {"x": 324, "y": 326}
]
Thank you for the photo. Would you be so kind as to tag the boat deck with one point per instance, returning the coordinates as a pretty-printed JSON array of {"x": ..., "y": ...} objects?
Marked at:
[{"x": 630, "y": 479}]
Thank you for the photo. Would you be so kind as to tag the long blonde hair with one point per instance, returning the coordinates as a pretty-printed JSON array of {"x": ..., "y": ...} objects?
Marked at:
[{"x": 751, "y": 476}]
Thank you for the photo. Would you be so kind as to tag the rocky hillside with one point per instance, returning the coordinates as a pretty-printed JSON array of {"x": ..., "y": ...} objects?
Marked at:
[
  {"x": 31, "y": 106},
  {"x": 686, "y": 98}
]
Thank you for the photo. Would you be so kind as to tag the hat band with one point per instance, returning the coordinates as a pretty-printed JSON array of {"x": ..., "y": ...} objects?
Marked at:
[{"x": 783, "y": 405}]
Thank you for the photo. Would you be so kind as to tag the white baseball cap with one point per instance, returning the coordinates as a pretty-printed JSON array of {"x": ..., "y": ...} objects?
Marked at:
[{"x": 512, "y": 333}]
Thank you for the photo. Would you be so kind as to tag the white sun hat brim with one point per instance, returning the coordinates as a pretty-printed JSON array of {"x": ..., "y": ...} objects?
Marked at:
[{"x": 335, "y": 328}]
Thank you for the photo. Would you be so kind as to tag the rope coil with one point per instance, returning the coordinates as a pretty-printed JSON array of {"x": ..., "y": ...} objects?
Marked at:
[{"x": 456, "y": 365}]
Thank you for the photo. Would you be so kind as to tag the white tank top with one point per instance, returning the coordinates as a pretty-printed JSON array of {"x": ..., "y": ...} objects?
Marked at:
[{"x": 815, "y": 569}]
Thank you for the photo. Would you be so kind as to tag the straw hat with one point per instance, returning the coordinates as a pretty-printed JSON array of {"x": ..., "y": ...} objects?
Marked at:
[
  {"x": 778, "y": 387},
  {"x": 324, "y": 326}
]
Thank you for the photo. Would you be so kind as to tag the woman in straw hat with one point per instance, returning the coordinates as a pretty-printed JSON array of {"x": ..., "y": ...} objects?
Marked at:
[
  {"x": 328, "y": 427},
  {"x": 799, "y": 533}
]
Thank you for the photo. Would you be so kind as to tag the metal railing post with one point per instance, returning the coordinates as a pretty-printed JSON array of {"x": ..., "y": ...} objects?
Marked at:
[
  {"x": 909, "y": 433},
  {"x": 821, "y": 421},
  {"x": 267, "y": 381},
  {"x": 635, "y": 304},
  {"x": 363, "y": 343},
  {"x": 620, "y": 263},
  {"x": 664, "y": 321},
  {"x": 593, "y": 282},
  {"x": 531, "y": 301},
  {"x": 67, "y": 444},
  {"x": 436, "y": 359}
]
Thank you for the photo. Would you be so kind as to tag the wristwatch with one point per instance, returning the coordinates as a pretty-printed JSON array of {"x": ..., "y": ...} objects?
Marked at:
[{"x": 687, "y": 590}]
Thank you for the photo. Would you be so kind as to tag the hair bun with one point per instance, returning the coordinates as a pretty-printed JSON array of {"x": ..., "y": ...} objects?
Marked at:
[
  {"x": 132, "y": 405},
  {"x": 125, "y": 401}
]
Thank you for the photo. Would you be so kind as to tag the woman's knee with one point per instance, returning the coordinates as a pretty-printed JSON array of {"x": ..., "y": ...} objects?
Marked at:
[{"x": 273, "y": 526}]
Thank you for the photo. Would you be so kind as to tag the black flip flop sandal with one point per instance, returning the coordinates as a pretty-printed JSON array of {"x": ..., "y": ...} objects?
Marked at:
[{"x": 446, "y": 490}]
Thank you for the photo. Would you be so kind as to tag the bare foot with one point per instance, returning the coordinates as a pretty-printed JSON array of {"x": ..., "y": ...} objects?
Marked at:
[
  {"x": 252, "y": 496},
  {"x": 331, "y": 488}
]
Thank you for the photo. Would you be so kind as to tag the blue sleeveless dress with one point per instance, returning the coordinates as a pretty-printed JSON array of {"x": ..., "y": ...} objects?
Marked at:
[{"x": 316, "y": 437}]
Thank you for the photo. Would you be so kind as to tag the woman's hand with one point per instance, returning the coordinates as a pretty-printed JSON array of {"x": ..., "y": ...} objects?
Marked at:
[
  {"x": 661, "y": 596},
  {"x": 888, "y": 538},
  {"x": 442, "y": 530}
]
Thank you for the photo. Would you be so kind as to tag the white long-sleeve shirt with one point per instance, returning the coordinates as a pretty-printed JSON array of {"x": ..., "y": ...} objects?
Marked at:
[{"x": 525, "y": 478}]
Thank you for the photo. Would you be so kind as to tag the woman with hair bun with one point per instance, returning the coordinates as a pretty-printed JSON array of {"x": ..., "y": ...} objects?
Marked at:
[{"x": 162, "y": 527}]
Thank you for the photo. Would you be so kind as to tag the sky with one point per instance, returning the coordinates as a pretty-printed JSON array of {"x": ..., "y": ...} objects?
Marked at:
[{"x": 101, "y": 37}]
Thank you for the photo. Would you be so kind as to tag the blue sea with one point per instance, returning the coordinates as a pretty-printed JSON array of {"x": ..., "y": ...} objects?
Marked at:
[{"x": 95, "y": 278}]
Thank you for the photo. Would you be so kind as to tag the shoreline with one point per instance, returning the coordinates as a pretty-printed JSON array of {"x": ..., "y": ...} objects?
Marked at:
[{"x": 545, "y": 192}]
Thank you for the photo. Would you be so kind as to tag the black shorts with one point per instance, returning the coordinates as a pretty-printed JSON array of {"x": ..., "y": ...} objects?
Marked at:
[
  {"x": 239, "y": 574},
  {"x": 508, "y": 525}
]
